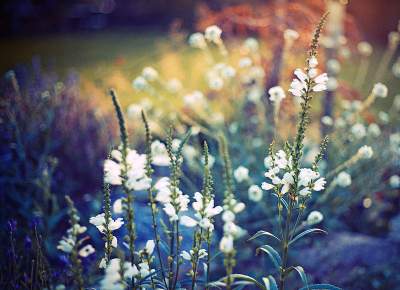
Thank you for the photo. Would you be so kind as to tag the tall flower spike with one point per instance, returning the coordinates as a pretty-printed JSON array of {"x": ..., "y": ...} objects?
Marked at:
[{"x": 129, "y": 200}]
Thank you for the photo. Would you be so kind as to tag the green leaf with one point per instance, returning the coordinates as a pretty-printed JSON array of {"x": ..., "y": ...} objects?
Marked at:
[
  {"x": 270, "y": 283},
  {"x": 321, "y": 287},
  {"x": 245, "y": 278},
  {"x": 306, "y": 232},
  {"x": 302, "y": 275},
  {"x": 272, "y": 253},
  {"x": 263, "y": 233}
]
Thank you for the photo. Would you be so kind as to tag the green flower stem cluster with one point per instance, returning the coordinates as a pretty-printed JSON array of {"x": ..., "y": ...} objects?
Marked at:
[{"x": 75, "y": 261}]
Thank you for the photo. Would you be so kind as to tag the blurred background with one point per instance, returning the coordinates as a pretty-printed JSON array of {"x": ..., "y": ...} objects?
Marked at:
[{"x": 59, "y": 58}]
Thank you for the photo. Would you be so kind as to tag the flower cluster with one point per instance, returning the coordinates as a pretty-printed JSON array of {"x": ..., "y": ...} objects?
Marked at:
[
  {"x": 134, "y": 168},
  {"x": 99, "y": 222},
  {"x": 231, "y": 230},
  {"x": 174, "y": 204},
  {"x": 204, "y": 210},
  {"x": 281, "y": 174},
  {"x": 317, "y": 83}
]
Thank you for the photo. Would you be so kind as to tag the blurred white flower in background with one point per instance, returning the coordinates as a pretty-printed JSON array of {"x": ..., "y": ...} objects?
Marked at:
[
  {"x": 358, "y": 130},
  {"x": 380, "y": 90},
  {"x": 197, "y": 40},
  {"x": 276, "y": 94},
  {"x": 365, "y": 152},
  {"x": 394, "y": 181},
  {"x": 213, "y": 34},
  {"x": 374, "y": 130},
  {"x": 327, "y": 120},
  {"x": 140, "y": 83},
  {"x": 241, "y": 174},
  {"x": 149, "y": 74},
  {"x": 343, "y": 179},
  {"x": 159, "y": 154},
  {"x": 364, "y": 48},
  {"x": 251, "y": 44},
  {"x": 255, "y": 193},
  {"x": 314, "y": 217}
]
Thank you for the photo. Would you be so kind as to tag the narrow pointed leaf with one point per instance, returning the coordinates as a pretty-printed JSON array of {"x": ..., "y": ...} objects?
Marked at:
[
  {"x": 321, "y": 287},
  {"x": 270, "y": 283},
  {"x": 302, "y": 275},
  {"x": 246, "y": 279},
  {"x": 263, "y": 233},
  {"x": 306, "y": 232},
  {"x": 272, "y": 253}
]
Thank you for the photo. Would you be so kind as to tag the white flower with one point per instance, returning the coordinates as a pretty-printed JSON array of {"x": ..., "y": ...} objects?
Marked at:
[
  {"x": 228, "y": 216},
  {"x": 364, "y": 48},
  {"x": 358, "y": 130},
  {"x": 384, "y": 117},
  {"x": 332, "y": 84},
  {"x": 174, "y": 85},
  {"x": 277, "y": 94},
  {"x": 231, "y": 229},
  {"x": 135, "y": 170},
  {"x": 374, "y": 129},
  {"x": 186, "y": 256},
  {"x": 150, "y": 247},
  {"x": 86, "y": 251},
  {"x": 193, "y": 99},
  {"x": 333, "y": 66},
  {"x": 150, "y": 74},
  {"x": 241, "y": 174},
  {"x": 203, "y": 213},
  {"x": 134, "y": 110},
  {"x": 251, "y": 44},
  {"x": 245, "y": 62},
  {"x": 267, "y": 186},
  {"x": 226, "y": 244},
  {"x": 299, "y": 86},
  {"x": 365, "y": 152},
  {"x": 319, "y": 184},
  {"x": 99, "y": 222},
  {"x": 66, "y": 245},
  {"x": 197, "y": 40},
  {"x": 315, "y": 217},
  {"x": 268, "y": 162},
  {"x": 239, "y": 207},
  {"x": 380, "y": 90},
  {"x": 290, "y": 35},
  {"x": 117, "y": 206},
  {"x": 139, "y": 83},
  {"x": 305, "y": 191},
  {"x": 312, "y": 62},
  {"x": 159, "y": 153},
  {"x": 215, "y": 82},
  {"x": 164, "y": 191},
  {"x": 396, "y": 68},
  {"x": 112, "y": 172},
  {"x": 255, "y": 193},
  {"x": 327, "y": 120},
  {"x": 306, "y": 175},
  {"x": 213, "y": 34},
  {"x": 394, "y": 181},
  {"x": 343, "y": 179}
]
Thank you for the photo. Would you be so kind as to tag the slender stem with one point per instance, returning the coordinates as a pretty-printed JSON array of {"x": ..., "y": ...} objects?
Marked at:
[
  {"x": 209, "y": 233},
  {"x": 285, "y": 246},
  {"x": 178, "y": 244},
  {"x": 156, "y": 235}
]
